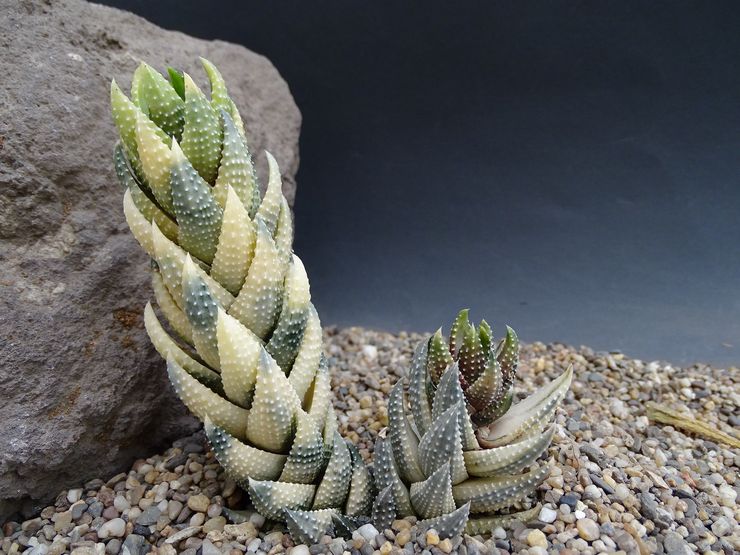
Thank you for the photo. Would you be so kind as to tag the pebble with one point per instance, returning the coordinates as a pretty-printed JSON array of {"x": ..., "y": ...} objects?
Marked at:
[
  {"x": 113, "y": 528},
  {"x": 198, "y": 503},
  {"x": 536, "y": 538},
  {"x": 588, "y": 529},
  {"x": 432, "y": 538},
  {"x": 74, "y": 495},
  {"x": 547, "y": 515}
]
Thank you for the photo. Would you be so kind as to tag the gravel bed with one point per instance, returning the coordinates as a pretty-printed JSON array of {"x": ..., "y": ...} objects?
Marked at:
[{"x": 619, "y": 483}]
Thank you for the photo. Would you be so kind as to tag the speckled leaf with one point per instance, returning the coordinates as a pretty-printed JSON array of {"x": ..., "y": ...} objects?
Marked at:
[
  {"x": 219, "y": 95},
  {"x": 491, "y": 494},
  {"x": 421, "y": 407},
  {"x": 318, "y": 397},
  {"x": 141, "y": 199},
  {"x": 235, "y": 248},
  {"x": 404, "y": 442},
  {"x": 433, "y": 496},
  {"x": 198, "y": 214},
  {"x": 471, "y": 358},
  {"x": 442, "y": 444},
  {"x": 168, "y": 347},
  {"x": 242, "y": 461},
  {"x": 287, "y": 337},
  {"x": 308, "y": 527},
  {"x": 140, "y": 227},
  {"x": 487, "y": 387},
  {"x": 306, "y": 458},
  {"x": 202, "y": 135},
  {"x": 334, "y": 486},
  {"x": 258, "y": 304},
  {"x": 508, "y": 355},
  {"x": 449, "y": 393},
  {"x": 361, "y": 486},
  {"x": 203, "y": 402},
  {"x": 271, "y": 422},
  {"x": 309, "y": 354},
  {"x": 384, "y": 510},
  {"x": 457, "y": 331},
  {"x": 284, "y": 232},
  {"x": 439, "y": 357},
  {"x": 156, "y": 160},
  {"x": 507, "y": 459},
  {"x": 174, "y": 315},
  {"x": 239, "y": 351},
  {"x": 201, "y": 308},
  {"x": 269, "y": 210},
  {"x": 386, "y": 475},
  {"x": 158, "y": 99},
  {"x": 449, "y": 525},
  {"x": 236, "y": 169},
  {"x": 272, "y": 498},
  {"x": 529, "y": 416}
]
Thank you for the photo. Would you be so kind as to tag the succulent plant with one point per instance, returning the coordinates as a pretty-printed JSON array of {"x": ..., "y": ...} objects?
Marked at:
[
  {"x": 455, "y": 446},
  {"x": 245, "y": 352}
]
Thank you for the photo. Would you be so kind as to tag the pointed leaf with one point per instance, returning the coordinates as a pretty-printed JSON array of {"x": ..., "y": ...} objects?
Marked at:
[
  {"x": 529, "y": 416},
  {"x": 334, "y": 486},
  {"x": 156, "y": 96},
  {"x": 361, "y": 486},
  {"x": 306, "y": 458},
  {"x": 269, "y": 209},
  {"x": 203, "y": 402},
  {"x": 258, "y": 304},
  {"x": 219, "y": 95},
  {"x": 386, "y": 476},
  {"x": 271, "y": 499},
  {"x": 457, "y": 332},
  {"x": 442, "y": 444},
  {"x": 433, "y": 496},
  {"x": 201, "y": 308},
  {"x": 167, "y": 347},
  {"x": 286, "y": 339},
  {"x": 439, "y": 357},
  {"x": 308, "y": 357},
  {"x": 403, "y": 440},
  {"x": 384, "y": 510},
  {"x": 198, "y": 214},
  {"x": 508, "y": 355},
  {"x": 202, "y": 135},
  {"x": 449, "y": 525},
  {"x": 271, "y": 422},
  {"x": 487, "y": 495},
  {"x": 308, "y": 527},
  {"x": 236, "y": 169},
  {"x": 421, "y": 407},
  {"x": 235, "y": 248},
  {"x": 471, "y": 358},
  {"x": 242, "y": 461},
  {"x": 156, "y": 160},
  {"x": 176, "y": 317},
  {"x": 239, "y": 351},
  {"x": 507, "y": 459}
]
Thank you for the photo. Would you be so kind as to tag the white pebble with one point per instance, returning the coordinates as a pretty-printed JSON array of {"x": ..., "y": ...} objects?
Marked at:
[
  {"x": 121, "y": 503},
  {"x": 257, "y": 520},
  {"x": 499, "y": 533},
  {"x": 368, "y": 531},
  {"x": 114, "y": 528},
  {"x": 300, "y": 550},
  {"x": 579, "y": 515},
  {"x": 547, "y": 515},
  {"x": 74, "y": 495},
  {"x": 370, "y": 351}
]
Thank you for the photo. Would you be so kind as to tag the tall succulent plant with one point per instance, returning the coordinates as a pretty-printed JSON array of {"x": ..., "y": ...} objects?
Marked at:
[
  {"x": 246, "y": 355},
  {"x": 454, "y": 445}
]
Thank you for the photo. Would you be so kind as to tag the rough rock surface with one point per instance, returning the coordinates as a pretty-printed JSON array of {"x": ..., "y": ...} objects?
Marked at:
[{"x": 83, "y": 392}]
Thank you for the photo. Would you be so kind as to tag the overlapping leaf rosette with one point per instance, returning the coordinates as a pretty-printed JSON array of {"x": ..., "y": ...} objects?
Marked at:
[
  {"x": 245, "y": 352},
  {"x": 455, "y": 446}
]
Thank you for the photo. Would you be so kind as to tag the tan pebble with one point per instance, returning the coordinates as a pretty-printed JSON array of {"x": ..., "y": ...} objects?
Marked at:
[
  {"x": 432, "y": 537},
  {"x": 386, "y": 548},
  {"x": 536, "y": 538},
  {"x": 401, "y": 525},
  {"x": 403, "y": 537},
  {"x": 199, "y": 503},
  {"x": 445, "y": 546}
]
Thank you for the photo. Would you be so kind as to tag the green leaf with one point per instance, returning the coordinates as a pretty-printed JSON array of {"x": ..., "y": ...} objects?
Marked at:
[{"x": 178, "y": 81}]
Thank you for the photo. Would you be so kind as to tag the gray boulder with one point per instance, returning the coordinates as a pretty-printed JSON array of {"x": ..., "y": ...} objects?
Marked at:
[{"x": 83, "y": 392}]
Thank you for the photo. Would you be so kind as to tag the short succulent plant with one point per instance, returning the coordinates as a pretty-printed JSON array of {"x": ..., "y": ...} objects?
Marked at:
[
  {"x": 246, "y": 353},
  {"x": 455, "y": 446}
]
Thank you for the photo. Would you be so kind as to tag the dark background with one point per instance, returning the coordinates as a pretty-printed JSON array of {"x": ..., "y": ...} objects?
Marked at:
[{"x": 569, "y": 168}]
